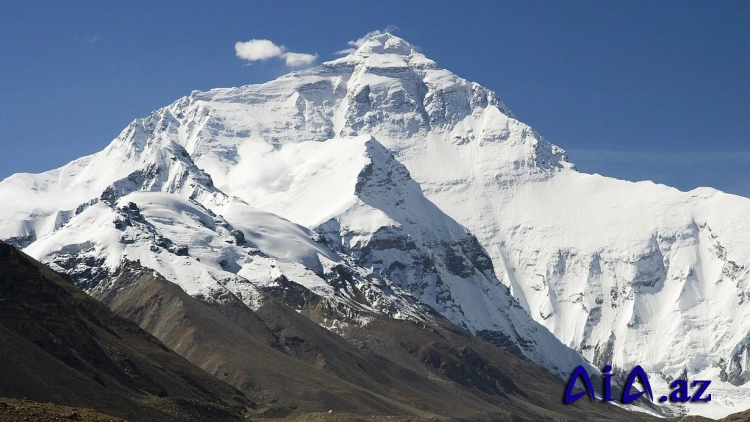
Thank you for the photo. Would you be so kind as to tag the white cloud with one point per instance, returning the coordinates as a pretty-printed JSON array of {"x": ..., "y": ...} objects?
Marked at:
[
  {"x": 345, "y": 51},
  {"x": 258, "y": 166},
  {"x": 255, "y": 50},
  {"x": 354, "y": 45},
  {"x": 298, "y": 59}
]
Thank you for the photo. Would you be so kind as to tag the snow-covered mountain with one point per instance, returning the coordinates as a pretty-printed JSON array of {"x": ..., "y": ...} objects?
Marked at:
[{"x": 421, "y": 185}]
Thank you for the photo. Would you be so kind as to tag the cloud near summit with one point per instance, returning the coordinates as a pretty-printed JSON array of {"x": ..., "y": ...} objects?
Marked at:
[{"x": 257, "y": 49}]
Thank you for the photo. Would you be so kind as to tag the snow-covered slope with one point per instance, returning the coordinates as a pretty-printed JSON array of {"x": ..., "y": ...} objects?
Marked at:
[
  {"x": 213, "y": 257},
  {"x": 141, "y": 158},
  {"x": 625, "y": 273},
  {"x": 365, "y": 205}
]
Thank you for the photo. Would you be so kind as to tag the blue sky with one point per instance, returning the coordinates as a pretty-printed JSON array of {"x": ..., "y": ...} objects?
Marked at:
[{"x": 638, "y": 90}]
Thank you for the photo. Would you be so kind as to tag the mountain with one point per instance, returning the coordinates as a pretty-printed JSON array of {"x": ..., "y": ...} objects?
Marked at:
[
  {"x": 68, "y": 218},
  {"x": 388, "y": 186},
  {"x": 62, "y": 346}
]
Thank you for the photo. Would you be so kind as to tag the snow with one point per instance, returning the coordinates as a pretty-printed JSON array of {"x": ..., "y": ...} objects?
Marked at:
[
  {"x": 93, "y": 233},
  {"x": 624, "y": 273},
  {"x": 207, "y": 255},
  {"x": 588, "y": 236},
  {"x": 310, "y": 181},
  {"x": 278, "y": 237}
]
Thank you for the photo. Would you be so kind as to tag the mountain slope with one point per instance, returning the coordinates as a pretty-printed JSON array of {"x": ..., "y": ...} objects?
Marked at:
[
  {"x": 379, "y": 216},
  {"x": 60, "y": 345},
  {"x": 386, "y": 367},
  {"x": 279, "y": 352}
]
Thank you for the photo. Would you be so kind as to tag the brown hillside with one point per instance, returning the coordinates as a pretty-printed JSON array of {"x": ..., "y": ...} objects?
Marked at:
[{"x": 60, "y": 345}]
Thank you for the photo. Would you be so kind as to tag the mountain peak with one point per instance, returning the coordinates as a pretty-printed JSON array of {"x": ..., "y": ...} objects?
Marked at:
[
  {"x": 385, "y": 43},
  {"x": 384, "y": 50}
]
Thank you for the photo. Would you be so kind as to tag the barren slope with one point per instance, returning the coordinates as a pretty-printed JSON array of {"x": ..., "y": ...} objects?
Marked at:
[{"x": 62, "y": 346}]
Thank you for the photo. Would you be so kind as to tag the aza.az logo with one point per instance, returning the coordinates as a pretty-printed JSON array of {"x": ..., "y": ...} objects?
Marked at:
[{"x": 680, "y": 392}]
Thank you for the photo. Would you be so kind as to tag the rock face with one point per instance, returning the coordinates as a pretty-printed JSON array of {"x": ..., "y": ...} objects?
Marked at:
[{"x": 419, "y": 185}]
